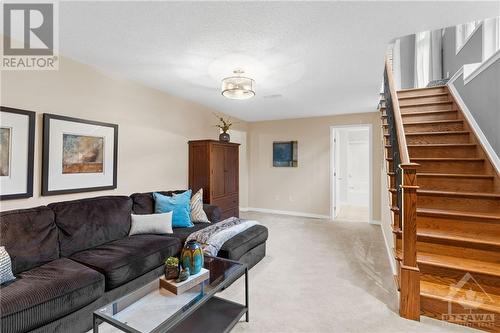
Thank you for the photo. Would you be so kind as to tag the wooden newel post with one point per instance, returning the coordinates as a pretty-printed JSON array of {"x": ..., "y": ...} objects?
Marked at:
[{"x": 409, "y": 302}]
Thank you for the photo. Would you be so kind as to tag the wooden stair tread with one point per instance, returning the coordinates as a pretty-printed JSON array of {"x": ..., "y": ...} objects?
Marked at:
[
  {"x": 480, "y": 195},
  {"x": 437, "y": 133},
  {"x": 426, "y": 122},
  {"x": 423, "y": 96},
  {"x": 441, "y": 145},
  {"x": 426, "y": 112},
  {"x": 447, "y": 159},
  {"x": 433, "y": 133},
  {"x": 459, "y": 236},
  {"x": 457, "y": 214},
  {"x": 425, "y": 104},
  {"x": 421, "y": 89},
  {"x": 441, "y": 290},
  {"x": 454, "y": 175},
  {"x": 456, "y": 263}
]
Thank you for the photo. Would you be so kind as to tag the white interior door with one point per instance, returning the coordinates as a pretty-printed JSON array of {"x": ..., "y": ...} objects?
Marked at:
[{"x": 357, "y": 173}]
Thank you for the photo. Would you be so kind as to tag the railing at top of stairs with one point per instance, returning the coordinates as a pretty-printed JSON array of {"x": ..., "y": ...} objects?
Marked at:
[{"x": 406, "y": 186}]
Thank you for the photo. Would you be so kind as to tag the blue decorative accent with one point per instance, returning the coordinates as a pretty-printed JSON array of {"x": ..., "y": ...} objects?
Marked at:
[
  {"x": 179, "y": 205},
  {"x": 192, "y": 257}
]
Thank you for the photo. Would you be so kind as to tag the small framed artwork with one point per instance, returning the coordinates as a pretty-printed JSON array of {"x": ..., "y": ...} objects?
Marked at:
[
  {"x": 17, "y": 147},
  {"x": 285, "y": 153},
  {"x": 78, "y": 155}
]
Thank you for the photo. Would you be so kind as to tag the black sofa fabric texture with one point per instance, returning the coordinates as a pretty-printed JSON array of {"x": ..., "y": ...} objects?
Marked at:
[
  {"x": 70, "y": 258},
  {"x": 123, "y": 260},
  {"x": 48, "y": 292}
]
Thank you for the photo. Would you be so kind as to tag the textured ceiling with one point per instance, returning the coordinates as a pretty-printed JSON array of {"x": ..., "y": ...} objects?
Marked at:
[{"x": 308, "y": 59}]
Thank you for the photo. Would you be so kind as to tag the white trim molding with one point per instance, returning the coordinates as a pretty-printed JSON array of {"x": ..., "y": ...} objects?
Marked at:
[
  {"x": 493, "y": 157},
  {"x": 476, "y": 69},
  {"x": 284, "y": 212},
  {"x": 390, "y": 254},
  {"x": 459, "y": 48}
]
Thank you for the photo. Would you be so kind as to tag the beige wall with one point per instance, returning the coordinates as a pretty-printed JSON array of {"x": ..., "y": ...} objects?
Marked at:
[
  {"x": 305, "y": 189},
  {"x": 154, "y": 127}
]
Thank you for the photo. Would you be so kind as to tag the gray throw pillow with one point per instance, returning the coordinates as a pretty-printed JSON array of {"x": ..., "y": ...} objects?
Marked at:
[
  {"x": 5, "y": 266},
  {"x": 151, "y": 224}
]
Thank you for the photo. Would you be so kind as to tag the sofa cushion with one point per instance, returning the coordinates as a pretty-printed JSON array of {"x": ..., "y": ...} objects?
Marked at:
[
  {"x": 29, "y": 236},
  {"x": 240, "y": 244},
  {"x": 87, "y": 223},
  {"x": 46, "y": 293},
  {"x": 125, "y": 259},
  {"x": 144, "y": 203}
]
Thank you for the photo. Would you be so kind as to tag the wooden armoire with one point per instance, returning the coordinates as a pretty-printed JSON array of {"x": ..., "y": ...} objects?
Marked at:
[{"x": 213, "y": 166}]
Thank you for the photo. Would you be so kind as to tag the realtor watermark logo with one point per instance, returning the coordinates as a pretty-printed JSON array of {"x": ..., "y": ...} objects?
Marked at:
[
  {"x": 464, "y": 306},
  {"x": 30, "y": 36}
]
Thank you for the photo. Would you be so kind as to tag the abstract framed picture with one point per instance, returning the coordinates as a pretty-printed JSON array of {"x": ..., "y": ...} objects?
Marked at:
[
  {"x": 17, "y": 148},
  {"x": 285, "y": 154},
  {"x": 78, "y": 155}
]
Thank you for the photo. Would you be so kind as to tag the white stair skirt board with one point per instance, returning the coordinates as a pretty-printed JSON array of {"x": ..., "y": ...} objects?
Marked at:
[
  {"x": 283, "y": 212},
  {"x": 390, "y": 254},
  {"x": 493, "y": 157}
]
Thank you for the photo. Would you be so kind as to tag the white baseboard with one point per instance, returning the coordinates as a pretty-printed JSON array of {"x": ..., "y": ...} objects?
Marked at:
[
  {"x": 375, "y": 222},
  {"x": 390, "y": 254},
  {"x": 283, "y": 212},
  {"x": 493, "y": 157}
]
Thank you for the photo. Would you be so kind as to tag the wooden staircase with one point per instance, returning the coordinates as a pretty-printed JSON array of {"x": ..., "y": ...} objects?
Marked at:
[{"x": 457, "y": 210}]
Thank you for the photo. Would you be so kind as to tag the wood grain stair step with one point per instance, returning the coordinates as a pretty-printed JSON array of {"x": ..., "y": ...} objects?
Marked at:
[
  {"x": 455, "y": 175},
  {"x": 425, "y": 104},
  {"x": 416, "y": 113},
  {"x": 442, "y": 291},
  {"x": 485, "y": 240},
  {"x": 459, "y": 215},
  {"x": 455, "y": 263},
  {"x": 471, "y": 195},
  {"x": 436, "y": 94}
]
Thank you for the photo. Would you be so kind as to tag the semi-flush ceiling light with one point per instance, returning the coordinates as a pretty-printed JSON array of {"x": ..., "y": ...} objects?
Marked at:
[{"x": 238, "y": 86}]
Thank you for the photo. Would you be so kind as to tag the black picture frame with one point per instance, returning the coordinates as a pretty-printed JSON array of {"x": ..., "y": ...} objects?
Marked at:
[
  {"x": 31, "y": 153},
  {"x": 47, "y": 117}
]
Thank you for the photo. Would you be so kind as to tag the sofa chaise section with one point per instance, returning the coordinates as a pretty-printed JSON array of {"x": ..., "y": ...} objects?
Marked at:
[
  {"x": 46, "y": 287},
  {"x": 248, "y": 247}
]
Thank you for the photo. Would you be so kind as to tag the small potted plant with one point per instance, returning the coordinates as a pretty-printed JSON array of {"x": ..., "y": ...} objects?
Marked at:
[
  {"x": 224, "y": 126},
  {"x": 171, "y": 268}
]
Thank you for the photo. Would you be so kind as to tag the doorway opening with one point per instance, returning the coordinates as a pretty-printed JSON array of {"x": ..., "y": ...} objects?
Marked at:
[{"x": 351, "y": 173}]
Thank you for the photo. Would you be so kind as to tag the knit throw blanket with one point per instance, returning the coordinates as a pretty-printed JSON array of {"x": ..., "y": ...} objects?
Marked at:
[{"x": 213, "y": 237}]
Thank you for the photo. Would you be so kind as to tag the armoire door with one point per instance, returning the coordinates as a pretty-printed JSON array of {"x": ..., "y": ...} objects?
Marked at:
[
  {"x": 231, "y": 169},
  {"x": 218, "y": 170}
]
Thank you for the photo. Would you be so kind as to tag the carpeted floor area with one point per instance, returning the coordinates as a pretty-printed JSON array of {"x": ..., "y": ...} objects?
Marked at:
[{"x": 324, "y": 276}]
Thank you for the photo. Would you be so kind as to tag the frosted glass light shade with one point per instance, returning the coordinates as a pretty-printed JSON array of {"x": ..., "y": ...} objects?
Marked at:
[{"x": 238, "y": 87}]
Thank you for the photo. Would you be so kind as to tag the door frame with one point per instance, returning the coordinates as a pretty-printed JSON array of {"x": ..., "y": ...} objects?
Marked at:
[{"x": 370, "y": 173}]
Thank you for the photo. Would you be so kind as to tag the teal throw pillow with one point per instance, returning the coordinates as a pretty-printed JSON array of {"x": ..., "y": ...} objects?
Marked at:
[{"x": 179, "y": 205}]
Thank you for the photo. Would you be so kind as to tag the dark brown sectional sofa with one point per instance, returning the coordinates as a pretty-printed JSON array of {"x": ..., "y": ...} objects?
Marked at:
[{"x": 70, "y": 258}]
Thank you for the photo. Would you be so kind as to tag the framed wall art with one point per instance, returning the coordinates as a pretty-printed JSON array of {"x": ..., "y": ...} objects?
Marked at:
[
  {"x": 78, "y": 155},
  {"x": 285, "y": 154},
  {"x": 17, "y": 147}
]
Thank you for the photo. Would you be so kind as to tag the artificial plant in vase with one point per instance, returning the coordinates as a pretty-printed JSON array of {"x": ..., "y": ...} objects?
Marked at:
[
  {"x": 171, "y": 268},
  {"x": 224, "y": 125}
]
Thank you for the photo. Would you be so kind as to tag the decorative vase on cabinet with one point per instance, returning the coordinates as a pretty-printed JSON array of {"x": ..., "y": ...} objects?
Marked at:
[{"x": 192, "y": 257}]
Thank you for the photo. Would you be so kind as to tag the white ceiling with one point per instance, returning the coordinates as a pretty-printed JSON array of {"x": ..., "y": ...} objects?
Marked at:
[{"x": 308, "y": 58}]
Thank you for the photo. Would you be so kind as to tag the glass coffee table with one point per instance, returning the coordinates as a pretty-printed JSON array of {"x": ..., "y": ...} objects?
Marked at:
[{"x": 153, "y": 309}]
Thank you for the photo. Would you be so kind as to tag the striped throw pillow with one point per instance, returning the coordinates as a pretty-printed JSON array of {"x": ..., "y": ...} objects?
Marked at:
[
  {"x": 5, "y": 266},
  {"x": 197, "y": 212}
]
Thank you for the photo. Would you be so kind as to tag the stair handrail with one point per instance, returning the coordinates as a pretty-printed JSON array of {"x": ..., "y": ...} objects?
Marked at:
[
  {"x": 405, "y": 175},
  {"x": 398, "y": 120}
]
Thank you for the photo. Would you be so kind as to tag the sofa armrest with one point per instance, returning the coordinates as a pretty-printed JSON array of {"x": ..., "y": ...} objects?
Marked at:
[{"x": 213, "y": 212}]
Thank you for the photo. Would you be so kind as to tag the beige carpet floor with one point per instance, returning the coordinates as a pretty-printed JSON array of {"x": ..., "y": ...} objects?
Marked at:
[{"x": 324, "y": 276}]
